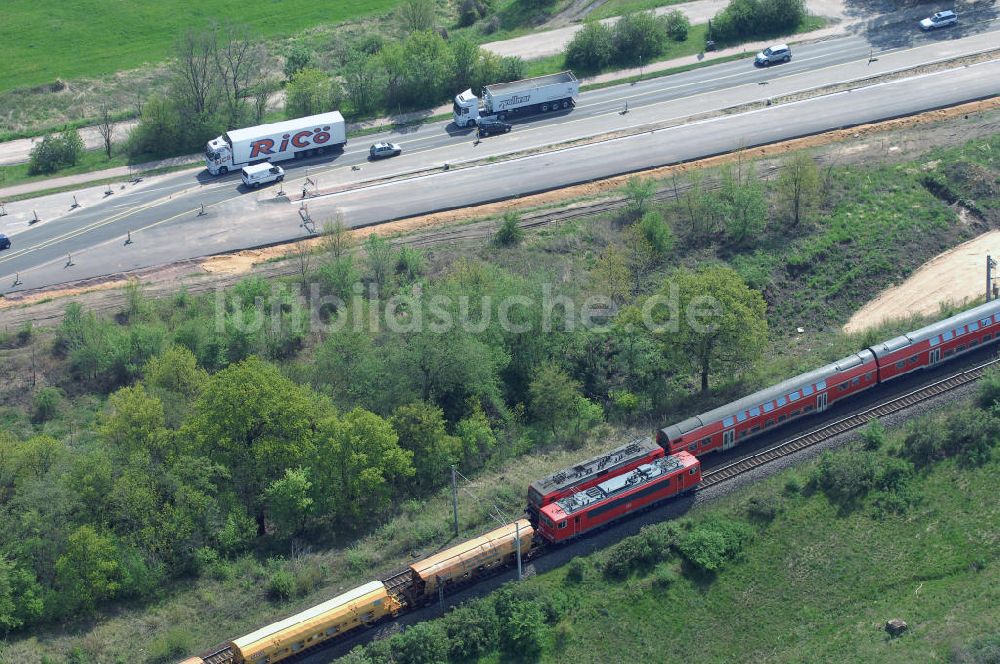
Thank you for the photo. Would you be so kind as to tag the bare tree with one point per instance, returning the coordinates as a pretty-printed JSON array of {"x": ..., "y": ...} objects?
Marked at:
[
  {"x": 106, "y": 125},
  {"x": 303, "y": 256},
  {"x": 196, "y": 69},
  {"x": 239, "y": 62},
  {"x": 261, "y": 94},
  {"x": 416, "y": 15},
  {"x": 337, "y": 238},
  {"x": 799, "y": 188}
]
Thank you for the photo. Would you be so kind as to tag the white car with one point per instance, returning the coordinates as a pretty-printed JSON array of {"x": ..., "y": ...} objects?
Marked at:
[
  {"x": 265, "y": 173},
  {"x": 380, "y": 150},
  {"x": 939, "y": 20}
]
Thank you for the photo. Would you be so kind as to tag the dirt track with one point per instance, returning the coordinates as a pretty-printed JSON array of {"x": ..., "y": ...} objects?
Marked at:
[{"x": 953, "y": 277}]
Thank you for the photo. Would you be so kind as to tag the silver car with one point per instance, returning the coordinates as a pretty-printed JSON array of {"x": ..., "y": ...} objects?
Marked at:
[
  {"x": 939, "y": 20},
  {"x": 381, "y": 150},
  {"x": 771, "y": 54}
]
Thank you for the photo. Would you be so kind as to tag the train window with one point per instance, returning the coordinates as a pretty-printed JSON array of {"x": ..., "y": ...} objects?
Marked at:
[
  {"x": 961, "y": 348},
  {"x": 869, "y": 375},
  {"x": 796, "y": 413},
  {"x": 856, "y": 380},
  {"x": 692, "y": 447},
  {"x": 821, "y": 385},
  {"x": 740, "y": 416},
  {"x": 769, "y": 423},
  {"x": 794, "y": 396},
  {"x": 755, "y": 429},
  {"x": 900, "y": 364},
  {"x": 946, "y": 336},
  {"x": 769, "y": 406},
  {"x": 781, "y": 418},
  {"x": 754, "y": 412},
  {"x": 913, "y": 359},
  {"x": 782, "y": 401},
  {"x": 807, "y": 409},
  {"x": 987, "y": 337},
  {"x": 973, "y": 327},
  {"x": 728, "y": 422},
  {"x": 973, "y": 342},
  {"x": 705, "y": 442},
  {"x": 693, "y": 470},
  {"x": 562, "y": 524},
  {"x": 806, "y": 391},
  {"x": 843, "y": 386}
]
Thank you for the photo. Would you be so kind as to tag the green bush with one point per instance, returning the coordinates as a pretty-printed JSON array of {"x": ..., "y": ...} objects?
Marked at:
[
  {"x": 592, "y": 48},
  {"x": 46, "y": 404},
  {"x": 664, "y": 576},
  {"x": 472, "y": 631},
  {"x": 710, "y": 544},
  {"x": 873, "y": 436},
  {"x": 509, "y": 233},
  {"x": 988, "y": 392},
  {"x": 521, "y": 625},
  {"x": 576, "y": 571},
  {"x": 423, "y": 643},
  {"x": 677, "y": 25},
  {"x": 281, "y": 584},
  {"x": 763, "y": 508},
  {"x": 639, "y": 37},
  {"x": 55, "y": 152},
  {"x": 409, "y": 264},
  {"x": 744, "y": 19},
  {"x": 656, "y": 231},
  {"x": 641, "y": 551},
  {"x": 845, "y": 477},
  {"x": 170, "y": 646}
]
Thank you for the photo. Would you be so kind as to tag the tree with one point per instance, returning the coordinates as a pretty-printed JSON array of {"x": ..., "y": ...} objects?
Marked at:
[
  {"x": 416, "y": 15},
  {"x": 592, "y": 48},
  {"x": 257, "y": 423},
  {"x": 196, "y": 72},
  {"x": 423, "y": 643},
  {"x": 421, "y": 430},
  {"x": 358, "y": 463},
  {"x": 175, "y": 370},
  {"x": 363, "y": 83},
  {"x": 133, "y": 421},
  {"x": 379, "y": 254},
  {"x": 742, "y": 202},
  {"x": 298, "y": 58},
  {"x": 307, "y": 93},
  {"x": 465, "y": 55},
  {"x": 106, "y": 126},
  {"x": 20, "y": 596},
  {"x": 612, "y": 275},
  {"x": 88, "y": 572},
  {"x": 55, "y": 152},
  {"x": 46, "y": 403},
  {"x": 239, "y": 61},
  {"x": 639, "y": 255},
  {"x": 799, "y": 190},
  {"x": 639, "y": 194},
  {"x": 719, "y": 324},
  {"x": 677, "y": 25},
  {"x": 337, "y": 237},
  {"x": 657, "y": 233},
  {"x": 289, "y": 501},
  {"x": 639, "y": 37},
  {"x": 553, "y": 397},
  {"x": 476, "y": 435}
]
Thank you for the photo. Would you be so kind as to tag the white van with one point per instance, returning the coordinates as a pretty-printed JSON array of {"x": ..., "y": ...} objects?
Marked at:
[{"x": 258, "y": 174}]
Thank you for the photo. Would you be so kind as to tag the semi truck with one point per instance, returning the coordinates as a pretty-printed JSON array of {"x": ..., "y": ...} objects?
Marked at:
[
  {"x": 278, "y": 141},
  {"x": 505, "y": 100}
]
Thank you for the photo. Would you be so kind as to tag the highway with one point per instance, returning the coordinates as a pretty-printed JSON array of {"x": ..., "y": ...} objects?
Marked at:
[{"x": 165, "y": 225}]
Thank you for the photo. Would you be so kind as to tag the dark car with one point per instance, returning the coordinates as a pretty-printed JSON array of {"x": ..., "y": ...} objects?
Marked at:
[
  {"x": 490, "y": 127},
  {"x": 4, "y": 242}
]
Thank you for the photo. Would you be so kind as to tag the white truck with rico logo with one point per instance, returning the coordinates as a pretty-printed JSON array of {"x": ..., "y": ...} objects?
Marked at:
[
  {"x": 503, "y": 100},
  {"x": 278, "y": 141}
]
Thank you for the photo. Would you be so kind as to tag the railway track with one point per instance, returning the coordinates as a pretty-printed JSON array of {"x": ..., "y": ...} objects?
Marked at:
[{"x": 837, "y": 427}]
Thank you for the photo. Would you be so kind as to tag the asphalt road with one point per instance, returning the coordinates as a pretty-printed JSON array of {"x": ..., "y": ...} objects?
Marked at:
[{"x": 44, "y": 254}]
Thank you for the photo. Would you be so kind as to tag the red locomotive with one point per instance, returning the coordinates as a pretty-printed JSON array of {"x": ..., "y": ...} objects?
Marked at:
[
  {"x": 618, "y": 496},
  {"x": 584, "y": 475}
]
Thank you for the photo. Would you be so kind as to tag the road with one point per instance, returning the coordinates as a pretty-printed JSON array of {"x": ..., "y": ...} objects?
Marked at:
[{"x": 162, "y": 215}]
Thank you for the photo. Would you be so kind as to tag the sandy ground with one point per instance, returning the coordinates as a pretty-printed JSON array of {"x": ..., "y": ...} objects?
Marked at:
[{"x": 953, "y": 277}]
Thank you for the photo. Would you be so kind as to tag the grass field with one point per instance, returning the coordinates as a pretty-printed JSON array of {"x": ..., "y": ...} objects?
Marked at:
[{"x": 85, "y": 38}]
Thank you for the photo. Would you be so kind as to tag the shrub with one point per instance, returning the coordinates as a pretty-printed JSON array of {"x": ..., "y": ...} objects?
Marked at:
[
  {"x": 845, "y": 477},
  {"x": 677, "y": 25},
  {"x": 592, "y": 48},
  {"x": 509, "y": 233},
  {"x": 713, "y": 542},
  {"x": 472, "y": 631},
  {"x": 757, "y": 18},
  {"x": 576, "y": 571},
  {"x": 763, "y": 508},
  {"x": 492, "y": 25},
  {"x": 639, "y": 37},
  {"x": 793, "y": 486},
  {"x": 281, "y": 584},
  {"x": 664, "y": 576},
  {"x": 873, "y": 436},
  {"x": 647, "y": 548},
  {"x": 972, "y": 433},
  {"x": 988, "y": 392},
  {"x": 521, "y": 625},
  {"x": 46, "y": 404},
  {"x": 297, "y": 59},
  {"x": 55, "y": 152},
  {"x": 24, "y": 333},
  {"x": 981, "y": 651},
  {"x": 409, "y": 263},
  {"x": 170, "y": 646},
  {"x": 656, "y": 231},
  {"x": 423, "y": 643},
  {"x": 921, "y": 443}
]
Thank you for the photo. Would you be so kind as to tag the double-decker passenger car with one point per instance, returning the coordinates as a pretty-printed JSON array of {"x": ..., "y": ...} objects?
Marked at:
[{"x": 618, "y": 496}]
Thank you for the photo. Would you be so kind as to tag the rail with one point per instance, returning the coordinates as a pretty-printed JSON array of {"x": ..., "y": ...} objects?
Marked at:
[
  {"x": 220, "y": 654},
  {"x": 758, "y": 459}
]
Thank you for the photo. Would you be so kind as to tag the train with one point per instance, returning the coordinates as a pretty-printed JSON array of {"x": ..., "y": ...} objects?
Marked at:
[{"x": 575, "y": 501}]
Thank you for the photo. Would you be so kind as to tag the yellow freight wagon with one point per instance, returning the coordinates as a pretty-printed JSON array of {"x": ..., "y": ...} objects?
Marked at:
[
  {"x": 471, "y": 559},
  {"x": 361, "y": 606}
]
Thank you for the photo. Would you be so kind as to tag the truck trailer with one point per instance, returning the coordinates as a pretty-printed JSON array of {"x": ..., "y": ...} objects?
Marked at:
[
  {"x": 278, "y": 141},
  {"x": 503, "y": 100}
]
